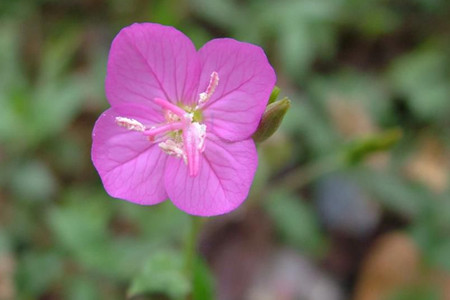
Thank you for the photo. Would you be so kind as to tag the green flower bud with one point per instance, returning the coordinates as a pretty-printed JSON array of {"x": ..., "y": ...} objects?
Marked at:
[
  {"x": 271, "y": 119},
  {"x": 274, "y": 95}
]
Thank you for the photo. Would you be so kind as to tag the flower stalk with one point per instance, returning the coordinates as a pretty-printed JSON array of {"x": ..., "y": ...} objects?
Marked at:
[{"x": 190, "y": 246}]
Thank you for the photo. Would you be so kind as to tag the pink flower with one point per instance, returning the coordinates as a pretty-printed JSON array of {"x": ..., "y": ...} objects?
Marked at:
[{"x": 181, "y": 121}]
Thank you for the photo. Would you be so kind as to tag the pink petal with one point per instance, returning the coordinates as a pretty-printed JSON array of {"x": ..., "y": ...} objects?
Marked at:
[
  {"x": 246, "y": 80},
  {"x": 130, "y": 166},
  {"x": 223, "y": 181},
  {"x": 148, "y": 61}
]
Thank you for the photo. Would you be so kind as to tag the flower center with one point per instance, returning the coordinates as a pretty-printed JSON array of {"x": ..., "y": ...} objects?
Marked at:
[{"x": 181, "y": 135}]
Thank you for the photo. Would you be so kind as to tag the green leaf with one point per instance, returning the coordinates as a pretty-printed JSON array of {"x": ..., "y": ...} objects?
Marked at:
[
  {"x": 159, "y": 224},
  {"x": 38, "y": 180},
  {"x": 222, "y": 13},
  {"x": 439, "y": 256},
  {"x": 296, "y": 221},
  {"x": 421, "y": 291},
  {"x": 361, "y": 148},
  {"x": 5, "y": 242},
  {"x": 82, "y": 288},
  {"x": 55, "y": 104},
  {"x": 11, "y": 74},
  {"x": 421, "y": 77},
  {"x": 80, "y": 224},
  {"x": 58, "y": 53},
  {"x": 306, "y": 121},
  {"x": 162, "y": 273},
  {"x": 297, "y": 49},
  {"x": 80, "y": 227},
  {"x": 394, "y": 192},
  {"x": 353, "y": 87},
  {"x": 37, "y": 271}
]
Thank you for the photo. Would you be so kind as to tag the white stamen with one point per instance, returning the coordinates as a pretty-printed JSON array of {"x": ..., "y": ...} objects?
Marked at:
[
  {"x": 130, "y": 124},
  {"x": 206, "y": 95},
  {"x": 173, "y": 148},
  {"x": 202, "y": 98},
  {"x": 170, "y": 116}
]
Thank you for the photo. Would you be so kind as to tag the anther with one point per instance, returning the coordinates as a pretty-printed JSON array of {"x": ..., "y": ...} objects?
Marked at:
[
  {"x": 130, "y": 124},
  {"x": 213, "y": 83},
  {"x": 173, "y": 148}
]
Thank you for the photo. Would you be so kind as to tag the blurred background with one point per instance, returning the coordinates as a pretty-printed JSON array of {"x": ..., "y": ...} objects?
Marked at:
[{"x": 351, "y": 199}]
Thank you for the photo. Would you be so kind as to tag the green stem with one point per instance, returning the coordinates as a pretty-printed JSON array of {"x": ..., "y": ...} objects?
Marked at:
[
  {"x": 303, "y": 175},
  {"x": 190, "y": 253}
]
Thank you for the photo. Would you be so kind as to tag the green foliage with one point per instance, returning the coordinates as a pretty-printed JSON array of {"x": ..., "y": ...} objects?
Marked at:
[
  {"x": 82, "y": 289},
  {"x": 30, "y": 107},
  {"x": 36, "y": 177},
  {"x": 422, "y": 292},
  {"x": 354, "y": 88},
  {"x": 309, "y": 127},
  {"x": 394, "y": 192},
  {"x": 38, "y": 271},
  {"x": 162, "y": 273},
  {"x": 297, "y": 222},
  {"x": 83, "y": 229},
  {"x": 422, "y": 78}
]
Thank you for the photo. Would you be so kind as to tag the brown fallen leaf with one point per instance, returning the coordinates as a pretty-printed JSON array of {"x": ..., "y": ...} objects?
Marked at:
[
  {"x": 430, "y": 164},
  {"x": 392, "y": 263},
  {"x": 7, "y": 268},
  {"x": 351, "y": 118}
]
